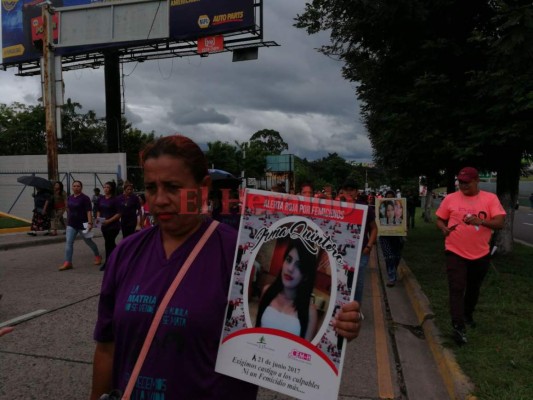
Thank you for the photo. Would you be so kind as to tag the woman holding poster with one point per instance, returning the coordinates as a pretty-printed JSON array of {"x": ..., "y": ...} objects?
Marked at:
[
  {"x": 392, "y": 246},
  {"x": 286, "y": 303},
  {"x": 180, "y": 363}
]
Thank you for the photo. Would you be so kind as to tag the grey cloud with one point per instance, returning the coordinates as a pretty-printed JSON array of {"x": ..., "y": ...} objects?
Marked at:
[
  {"x": 292, "y": 89},
  {"x": 195, "y": 116}
]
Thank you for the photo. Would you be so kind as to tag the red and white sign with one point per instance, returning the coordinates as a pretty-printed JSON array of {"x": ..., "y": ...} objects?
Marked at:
[{"x": 211, "y": 44}]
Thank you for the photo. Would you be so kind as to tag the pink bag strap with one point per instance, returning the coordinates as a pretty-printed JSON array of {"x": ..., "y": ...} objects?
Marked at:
[{"x": 162, "y": 307}]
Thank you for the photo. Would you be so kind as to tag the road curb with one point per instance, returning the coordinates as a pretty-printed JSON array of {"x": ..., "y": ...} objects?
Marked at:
[
  {"x": 31, "y": 243},
  {"x": 457, "y": 383}
]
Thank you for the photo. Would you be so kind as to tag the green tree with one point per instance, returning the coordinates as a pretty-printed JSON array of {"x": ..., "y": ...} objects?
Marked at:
[
  {"x": 262, "y": 143},
  {"x": 225, "y": 156},
  {"x": 333, "y": 169},
  {"x": 82, "y": 133},
  {"x": 22, "y": 129},
  {"x": 133, "y": 141},
  {"x": 443, "y": 83},
  {"x": 270, "y": 141}
]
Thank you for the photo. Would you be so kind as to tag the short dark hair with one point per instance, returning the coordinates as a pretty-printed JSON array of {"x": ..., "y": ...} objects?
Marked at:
[{"x": 179, "y": 146}]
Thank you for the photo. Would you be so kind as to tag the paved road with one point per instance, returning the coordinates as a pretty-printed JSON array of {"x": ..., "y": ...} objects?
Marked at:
[
  {"x": 49, "y": 355},
  {"x": 523, "y": 225}
]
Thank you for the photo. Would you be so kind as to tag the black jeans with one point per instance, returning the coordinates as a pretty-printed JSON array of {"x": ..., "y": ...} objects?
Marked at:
[
  {"x": 464, "y": 282},
  {"x": 110, "y": 236},
  {"x": 128, "y": 230}
]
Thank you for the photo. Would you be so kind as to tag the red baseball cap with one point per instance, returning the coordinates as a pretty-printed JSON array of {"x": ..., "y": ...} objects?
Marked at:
[{"x": 468, "y": 174}]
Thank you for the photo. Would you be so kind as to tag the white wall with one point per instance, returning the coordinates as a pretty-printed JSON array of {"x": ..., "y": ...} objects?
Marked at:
[{"x": 93, "y": 170}]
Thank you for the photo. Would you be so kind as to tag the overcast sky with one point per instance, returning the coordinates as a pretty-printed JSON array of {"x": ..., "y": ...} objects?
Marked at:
[{"x": 292, "y": 89}]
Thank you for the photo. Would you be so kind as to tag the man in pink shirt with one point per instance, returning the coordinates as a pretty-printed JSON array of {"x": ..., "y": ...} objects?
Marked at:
[{"x": 467, "y": 219}]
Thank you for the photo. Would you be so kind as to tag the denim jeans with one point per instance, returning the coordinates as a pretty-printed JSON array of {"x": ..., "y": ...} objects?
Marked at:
[
  {"x": 360, "y": 285},
  {"x": 69, "y": 246}
]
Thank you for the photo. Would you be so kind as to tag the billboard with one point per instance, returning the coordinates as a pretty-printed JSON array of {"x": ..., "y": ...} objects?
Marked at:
[
  {"x": 281, "y": 163},
  {"x": 187, "y": 20}
]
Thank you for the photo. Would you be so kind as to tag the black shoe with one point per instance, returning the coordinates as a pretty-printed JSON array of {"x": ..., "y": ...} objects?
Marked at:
[
  {"x": 470, "y": 321},
  {"x": 102, "y": 267},
  {"x": 459, "y": 335}
]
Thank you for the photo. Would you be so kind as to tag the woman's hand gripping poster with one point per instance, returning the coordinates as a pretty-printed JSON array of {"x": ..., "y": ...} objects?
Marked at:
[{"x": 296, "y": 264}]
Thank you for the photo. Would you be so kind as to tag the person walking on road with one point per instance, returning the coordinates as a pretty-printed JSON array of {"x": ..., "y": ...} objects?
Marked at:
[
  {"x": 42, "y": 201},
  {"x": 391, "y": 247},
  {"x": 130, "y": 210},
  {"x": 108, "y": 208},
  {"x": 60, "y": 205},
  {"x": 79, "y": 211},
  {"x": 467, "y": 219},
  {"x": 182, "y": 356},
  {"x": 96, "y": 200},
  {"x": 411, "y": 209}
]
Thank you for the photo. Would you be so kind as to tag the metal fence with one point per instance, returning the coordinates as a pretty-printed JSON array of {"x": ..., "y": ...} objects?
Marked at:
[{"x": 17, "y": 199}]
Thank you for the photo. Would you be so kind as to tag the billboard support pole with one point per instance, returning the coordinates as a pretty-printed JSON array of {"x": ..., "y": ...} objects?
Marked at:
[
  {"x": 49, "y": 81},
  {"x": 113, "y": 101}
]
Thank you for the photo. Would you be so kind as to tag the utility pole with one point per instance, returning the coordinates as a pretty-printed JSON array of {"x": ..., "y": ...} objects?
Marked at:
[{"x": 49, "y": 92}]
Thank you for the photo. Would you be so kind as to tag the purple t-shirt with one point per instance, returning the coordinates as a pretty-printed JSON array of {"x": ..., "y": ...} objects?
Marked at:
[
  {"x": 108, "y": 208},
  {"x": 181, "y": 360},
  {"x": 370, "y": 216},
  {"x": 130, "y": 207},
  {"x": 77, "y": 208}
]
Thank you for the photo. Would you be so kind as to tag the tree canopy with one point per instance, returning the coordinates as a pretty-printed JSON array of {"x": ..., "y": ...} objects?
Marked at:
[{"x": 443, "y": 83}]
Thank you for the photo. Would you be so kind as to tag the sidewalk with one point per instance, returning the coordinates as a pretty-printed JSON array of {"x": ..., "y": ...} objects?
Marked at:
[
  {"x": 426, "y": 368},
  {"x": 16, "y": 238}
]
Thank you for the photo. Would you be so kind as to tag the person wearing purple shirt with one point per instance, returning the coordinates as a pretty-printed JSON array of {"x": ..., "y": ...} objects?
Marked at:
[
  {"x": 79, "y": 211},
  {"x": 108, "y": 208},
  {"x": 181, "y": 361},
  {"x": 130, "y": 209}
]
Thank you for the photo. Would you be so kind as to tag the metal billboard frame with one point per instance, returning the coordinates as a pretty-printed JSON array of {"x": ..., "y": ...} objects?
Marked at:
[{"x": 154, "y": 49}]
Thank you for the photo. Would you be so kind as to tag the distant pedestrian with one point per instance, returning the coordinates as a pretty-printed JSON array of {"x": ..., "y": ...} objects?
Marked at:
[
  {"x": 467, "y": 219},
  {"x": 411, "y": 209},
  {"x": 147, "y": 219},
  {"x": 78, "y": 212},
  {"x": 59, "y": 208},
  {"x": 96, "y": 200},
  {"x": 108, "y": 208},
  {"x": 42, "y": 204},
  {"x": 130, "y": 210},
  {"x": 531, "y": 201},
  {"x": 306, "y": 190},
  {"x": 391, "y": 247}
]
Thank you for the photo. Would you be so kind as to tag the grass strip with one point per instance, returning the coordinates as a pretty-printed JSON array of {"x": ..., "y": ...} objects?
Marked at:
[
  {"x": 6, "y": 222},
  {"x": 499, "y": 355}
]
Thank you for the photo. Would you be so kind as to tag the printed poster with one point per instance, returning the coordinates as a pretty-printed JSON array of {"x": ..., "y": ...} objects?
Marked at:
[
  {"x": 296, "y": 264},
  {"x": 391, "y": 218}
]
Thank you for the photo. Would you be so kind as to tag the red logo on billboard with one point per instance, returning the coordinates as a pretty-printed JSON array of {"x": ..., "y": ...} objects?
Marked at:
[
  {"x": 37, "y": 28},
  {"x": 211, "y": 44}
]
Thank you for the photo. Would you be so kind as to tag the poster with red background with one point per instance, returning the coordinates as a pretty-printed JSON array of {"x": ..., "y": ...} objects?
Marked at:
[{"x": 296, "y": 264}]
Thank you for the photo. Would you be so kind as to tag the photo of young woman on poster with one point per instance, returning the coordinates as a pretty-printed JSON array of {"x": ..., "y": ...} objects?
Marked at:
[
  {"x": 290, "y": 296},
  {"x": 386, "y": 213}
]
